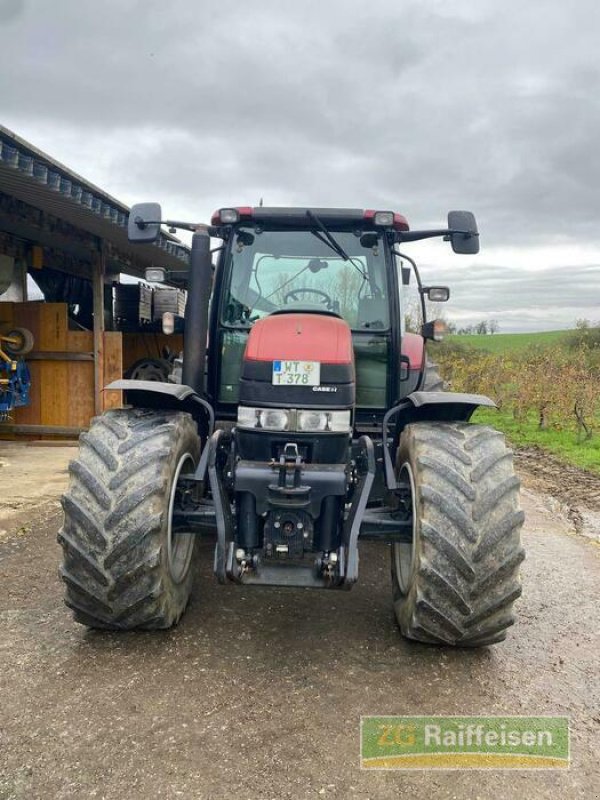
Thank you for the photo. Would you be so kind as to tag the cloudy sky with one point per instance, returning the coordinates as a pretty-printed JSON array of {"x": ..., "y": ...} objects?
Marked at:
[{"x": 414, "y": 105}]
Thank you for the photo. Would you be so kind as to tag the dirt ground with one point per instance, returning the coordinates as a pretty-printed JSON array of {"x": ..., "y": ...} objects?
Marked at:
[
  {"x": 575, "y": 491},
  {"x": 258, "y": 693},
  {"x": 32, "y": 477}
]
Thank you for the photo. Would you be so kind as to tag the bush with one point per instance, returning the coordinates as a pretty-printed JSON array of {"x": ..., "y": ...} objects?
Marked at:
[{"x": 561, "y": 384}]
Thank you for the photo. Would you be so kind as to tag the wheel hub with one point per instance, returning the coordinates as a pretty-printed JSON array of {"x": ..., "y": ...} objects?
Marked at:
[{"x": 179, "y": 545}]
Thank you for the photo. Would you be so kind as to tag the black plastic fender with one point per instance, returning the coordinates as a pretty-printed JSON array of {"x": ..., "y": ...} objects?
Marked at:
[
  {"x": 155, "y": 394},
  {"x": 427, "y": 406}
]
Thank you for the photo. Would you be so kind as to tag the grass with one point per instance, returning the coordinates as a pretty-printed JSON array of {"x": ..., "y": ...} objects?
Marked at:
[
  {"x": 509, "y": 342},
  {"x": 561, "y": 443}
]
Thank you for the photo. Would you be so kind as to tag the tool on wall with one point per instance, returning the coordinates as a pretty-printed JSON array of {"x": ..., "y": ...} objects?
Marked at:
[{"x": 15, "y": 380}]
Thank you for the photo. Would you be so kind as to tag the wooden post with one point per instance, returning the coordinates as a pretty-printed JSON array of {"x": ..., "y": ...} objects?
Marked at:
[
  {"x": 22, "y": 272},
  {"x": 99, "y": 271}
]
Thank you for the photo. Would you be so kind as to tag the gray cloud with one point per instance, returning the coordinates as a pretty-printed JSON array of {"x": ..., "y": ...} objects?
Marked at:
[
  {"x": 419, "y": 106},
  {"x": 519, "y": 299}
]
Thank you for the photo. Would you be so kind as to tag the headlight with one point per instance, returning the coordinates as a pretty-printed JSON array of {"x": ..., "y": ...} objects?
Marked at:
[
  {"x": 334, "y": 421},
  {"x": 247, "y": 417},
  {"x": 274, "y": 419},
  {"x": 383, "y": 218},
  {"x": 229, "y": 216},
  {"x": 312, "y": 420},
  {"x": 306, "y": 420},
  {"x": 339, "y": 421}
]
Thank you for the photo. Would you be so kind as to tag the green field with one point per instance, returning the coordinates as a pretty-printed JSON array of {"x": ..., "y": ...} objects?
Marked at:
[
  {"x": 508, "y": 342},
  {"x": 558, "y": 442}
]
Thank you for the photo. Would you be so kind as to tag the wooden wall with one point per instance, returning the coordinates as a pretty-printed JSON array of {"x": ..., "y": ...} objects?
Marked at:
[
  {"x": 148, "y": 345},
  {"x": 113, "y": 368},
  {"x": 62, "y": 384},
  {"x": 62, "y": 366}
]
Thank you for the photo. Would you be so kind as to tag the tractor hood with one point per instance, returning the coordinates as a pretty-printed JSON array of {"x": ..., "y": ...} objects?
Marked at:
[{"x": 299, "y": 360}]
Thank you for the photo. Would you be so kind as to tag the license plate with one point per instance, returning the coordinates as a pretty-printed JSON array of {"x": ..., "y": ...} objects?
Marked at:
[{"x": 296, "y": 373}]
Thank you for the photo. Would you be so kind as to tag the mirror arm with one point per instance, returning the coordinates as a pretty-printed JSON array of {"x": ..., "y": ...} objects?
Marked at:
[
  {"x": 187, "y": 226},
  {"x": 468, "y": 234},
  {"x": 414, "y": 236},
  {"x": 142, "y": 224},
  {"x": 413, "y": 264},
  {"x": 185, "y": 273}
]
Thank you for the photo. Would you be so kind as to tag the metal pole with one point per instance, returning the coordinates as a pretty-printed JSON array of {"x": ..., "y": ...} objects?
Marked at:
[
  {"x": 196, "y": 313},
  {"x": 98, "y": 270}
]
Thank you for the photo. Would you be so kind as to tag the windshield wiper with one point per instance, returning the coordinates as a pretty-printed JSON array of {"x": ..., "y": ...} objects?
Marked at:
[
  {"x": 332, "y": 242},
  {"x": 327, "y": 238}
]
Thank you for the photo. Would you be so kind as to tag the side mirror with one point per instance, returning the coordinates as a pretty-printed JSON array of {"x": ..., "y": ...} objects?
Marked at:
[
  {"x": 434, "y": 330},
  {"x": 405, "y": 276},
  {"x": 143, "y": 226},
  {"x": 369, "y": 240},
  {"x": 464, "y": 235},
  {"x": 436, "y": 294}
]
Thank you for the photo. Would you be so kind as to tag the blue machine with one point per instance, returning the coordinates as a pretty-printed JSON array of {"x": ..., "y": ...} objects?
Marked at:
[
  {"x": 14, "y": 386},
  {"x": 15, "y": 379}
]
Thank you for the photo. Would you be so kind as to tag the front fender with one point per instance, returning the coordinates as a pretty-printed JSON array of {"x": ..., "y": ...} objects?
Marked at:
[
  {"x": 428, "y": 407},
  {"x": 171, "y": 396},
  {"x": 442, "y": 403}
]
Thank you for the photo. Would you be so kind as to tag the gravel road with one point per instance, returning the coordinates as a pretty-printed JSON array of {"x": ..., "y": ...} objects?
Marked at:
[{"x": 258, "y": 693}]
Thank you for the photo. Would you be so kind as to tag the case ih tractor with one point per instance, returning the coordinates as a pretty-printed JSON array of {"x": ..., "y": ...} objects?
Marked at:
[{"x": 306, "y": 421}]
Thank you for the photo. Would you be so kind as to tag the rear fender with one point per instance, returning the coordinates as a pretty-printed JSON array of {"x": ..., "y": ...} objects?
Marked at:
[
  {"x": 170, "y": 396},
  {"x": 427, "y": 407}
]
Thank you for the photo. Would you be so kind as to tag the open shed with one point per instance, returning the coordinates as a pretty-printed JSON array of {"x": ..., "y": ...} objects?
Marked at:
[{"x": 70, "y": 238}]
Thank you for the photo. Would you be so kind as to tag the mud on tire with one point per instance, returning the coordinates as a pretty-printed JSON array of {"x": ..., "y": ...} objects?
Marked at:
[
  {"x": 457, "y": 581},
  {"x": 121, "y": 568}
]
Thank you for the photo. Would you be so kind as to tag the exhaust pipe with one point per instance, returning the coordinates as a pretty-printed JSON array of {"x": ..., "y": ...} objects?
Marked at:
[{"x": 196, "y": 313}]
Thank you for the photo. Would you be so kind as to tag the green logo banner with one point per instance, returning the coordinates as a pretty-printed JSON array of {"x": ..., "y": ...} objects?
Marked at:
[{"x": 464, "y": 742}]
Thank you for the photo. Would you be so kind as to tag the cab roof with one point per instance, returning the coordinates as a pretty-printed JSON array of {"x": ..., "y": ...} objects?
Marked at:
[{"x": 299, "y": 217}]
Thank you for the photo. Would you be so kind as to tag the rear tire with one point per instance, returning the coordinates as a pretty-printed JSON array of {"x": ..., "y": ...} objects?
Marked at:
[
  {"x": 122, "y": 566},
  {"x": 455, "y": 584}
]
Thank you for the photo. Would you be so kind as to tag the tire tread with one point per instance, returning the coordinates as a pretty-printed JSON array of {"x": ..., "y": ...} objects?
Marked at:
[
  {"x": 466, "y": 575},
  {"x": 113, "y": 536}
]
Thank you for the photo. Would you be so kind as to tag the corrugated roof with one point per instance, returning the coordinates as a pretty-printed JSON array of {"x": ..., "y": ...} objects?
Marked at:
[{"x": 39, "y": 180}]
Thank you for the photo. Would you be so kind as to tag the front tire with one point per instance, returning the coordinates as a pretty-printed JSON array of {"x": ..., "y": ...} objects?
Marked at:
[
  {"x": 456, "y": 582},
  {"x": 123, "y": 566}
]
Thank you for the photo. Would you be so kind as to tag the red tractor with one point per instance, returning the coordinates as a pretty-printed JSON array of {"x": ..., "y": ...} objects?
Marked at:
[{"x": 306, "y": 420}]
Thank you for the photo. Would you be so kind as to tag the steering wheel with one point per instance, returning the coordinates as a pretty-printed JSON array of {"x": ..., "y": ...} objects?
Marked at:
[{"x": 293, "y": 295}]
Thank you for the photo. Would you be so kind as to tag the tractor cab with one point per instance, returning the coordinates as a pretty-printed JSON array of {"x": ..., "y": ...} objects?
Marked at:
[{"x": 278, "y": 262}]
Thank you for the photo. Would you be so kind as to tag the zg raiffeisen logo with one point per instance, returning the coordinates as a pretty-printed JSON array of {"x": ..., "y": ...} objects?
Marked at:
[{"x": 464, "y": 742}]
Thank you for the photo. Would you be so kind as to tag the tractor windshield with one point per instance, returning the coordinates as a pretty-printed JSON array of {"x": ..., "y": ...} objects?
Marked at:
[{"x": 296, "y": 270}]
